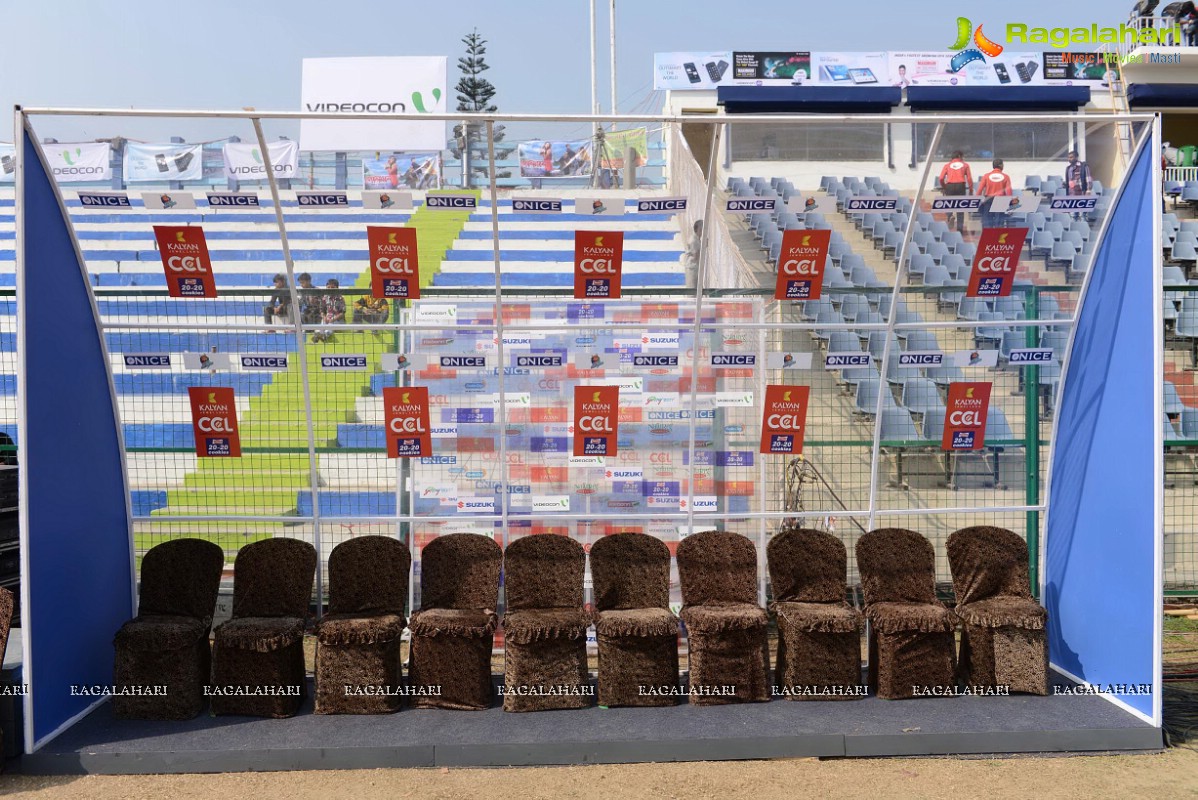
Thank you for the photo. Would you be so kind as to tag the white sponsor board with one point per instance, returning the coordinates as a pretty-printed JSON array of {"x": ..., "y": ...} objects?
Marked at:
[
  {"x": 394, "y": 91},
  {"x": 387, "y": 201},
  {"x": 244, "y": 161},
  {"x": 169, "y": 201},
  {"x": 79, "y": 161},
  {"x": 145, "y": 163}
]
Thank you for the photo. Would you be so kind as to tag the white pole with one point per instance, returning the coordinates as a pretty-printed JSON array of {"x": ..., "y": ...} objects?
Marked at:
[
  {"x": 613, "y": 61},
  {"x": 594, "y": 74}
]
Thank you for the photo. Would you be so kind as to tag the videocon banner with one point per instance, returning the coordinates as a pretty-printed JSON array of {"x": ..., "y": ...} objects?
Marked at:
[
  {"x": 8, "y": 163},
  {"x": 690, "y": 71},
  {"x": 243, "y": 160},
  {"x": 162, "y": 162},
  {"x": 386, "y": 87},
  {"x": 82, "y": 161},
  {"x": 848, "y": 69},
  {"x": 541, "y": 159},
  {"x": 402, "y": 170},
  {"x": 617, "y": 144}
]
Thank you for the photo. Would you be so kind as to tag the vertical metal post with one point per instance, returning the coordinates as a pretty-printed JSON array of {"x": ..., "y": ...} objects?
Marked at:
[
  {"x": 494, "y": 194},
  {"x": 1031, "y": 440},
  {"x": 302, "y": 354},
  {"x": 613, "y": 61}
]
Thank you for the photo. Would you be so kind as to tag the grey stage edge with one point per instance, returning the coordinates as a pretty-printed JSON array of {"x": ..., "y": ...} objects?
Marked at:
[{"x": 781, "y": 728}]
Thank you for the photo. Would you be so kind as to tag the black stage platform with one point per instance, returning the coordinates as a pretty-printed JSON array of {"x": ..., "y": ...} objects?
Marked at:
[{"x": 433, "y": 738}]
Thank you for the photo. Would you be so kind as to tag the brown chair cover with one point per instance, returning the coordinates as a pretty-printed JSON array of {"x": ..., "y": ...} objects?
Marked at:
[
  {"x": 167, "y": 642},
  {"x": 6, "y": 608},
  {"x": 911, "y": 642},
  {"x": 819, "y": 633},
  {"x": 258, "y": 658},
  {"x": 358, "y": 663},
  {"x": 453, "y": 633},
  {"x": 1003, "y": 639},
  {"x": 636, "y": 631},
  {"x": 545, "y": 625},
  {"x": 728, "y": 654}
]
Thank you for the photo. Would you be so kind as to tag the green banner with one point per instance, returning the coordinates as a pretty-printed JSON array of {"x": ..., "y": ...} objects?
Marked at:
[{"x": 617, "y": 143}]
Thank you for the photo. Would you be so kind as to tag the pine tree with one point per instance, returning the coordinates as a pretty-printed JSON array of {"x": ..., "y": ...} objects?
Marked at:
[{"x": 474, "y": 97}]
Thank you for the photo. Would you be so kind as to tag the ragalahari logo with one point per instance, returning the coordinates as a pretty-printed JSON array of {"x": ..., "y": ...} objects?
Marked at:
[{"x": 967, "y": 55}]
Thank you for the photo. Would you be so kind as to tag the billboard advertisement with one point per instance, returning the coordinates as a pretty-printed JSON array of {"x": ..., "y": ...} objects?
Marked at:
[
  {"x": 1009, "y": 69},
  {"x": 849, "y": 69},
  {"x": 1075, "y": 67},
  {"x": 543, "y": 159},
  {"x": 761, "y": 68},
  {"x": 402, "y": 171},
  {"x": 244, "y": 162},
  {"x": 922, "y": 69},
  {"x": 162, "y": 162},
  {"x": 185, "y": 260},
  {"x": 690, "y": 71},
  {"x": 82, "y": 161},
  {"x": 618, "y": 143},
  {"x": 386, "y": 87}
]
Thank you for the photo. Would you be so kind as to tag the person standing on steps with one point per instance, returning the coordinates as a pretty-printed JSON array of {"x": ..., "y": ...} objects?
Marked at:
[
  {"x": 994, "y": 183},
  {"x": 956, "y": 179}
]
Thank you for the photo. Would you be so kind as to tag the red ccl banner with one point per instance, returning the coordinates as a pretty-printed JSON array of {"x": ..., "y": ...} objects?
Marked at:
[
  {"x": 784, "y": 420},
  {"x": 596, "y": 420},
  {"x": 394, "y": 262},
  {"x": 995, "y": 262},
  {"x": 965, "y": 419},
  {"x": 801, "y": 265},
  {"x": 185, "y": 260},
  {"x": 409, "y": 434},
  {"x": 214, "y": 421},
  {"x": 598, "y": 263}
]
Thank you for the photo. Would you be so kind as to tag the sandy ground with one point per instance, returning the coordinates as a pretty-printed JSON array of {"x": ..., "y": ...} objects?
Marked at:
[{"x": 1171, "y": 774}]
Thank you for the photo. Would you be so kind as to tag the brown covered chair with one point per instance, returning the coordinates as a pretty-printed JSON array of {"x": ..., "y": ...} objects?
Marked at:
[
  {"x": 910, "y": 631},
  {"x": 728, "y": 653},
  {"x": 1003, "y": 642},
  {"x": 358, "y": 664},
  {"x": 637, "y": 632},
  {"x": 167, "y": 642},
  {"x": 545, "y": 625},
  {"x": 6, "y": 607},
  {"x": 819, "y": 633},
  {"x": 258, "y": 659},
  {"x": 453, "y": 633}
]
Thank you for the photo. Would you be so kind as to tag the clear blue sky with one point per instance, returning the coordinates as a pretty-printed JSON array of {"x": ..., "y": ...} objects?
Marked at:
[{"x": 224, "y": 54}]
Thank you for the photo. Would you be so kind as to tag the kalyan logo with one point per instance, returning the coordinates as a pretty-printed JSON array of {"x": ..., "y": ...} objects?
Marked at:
[{"x": 983, "y": 46}]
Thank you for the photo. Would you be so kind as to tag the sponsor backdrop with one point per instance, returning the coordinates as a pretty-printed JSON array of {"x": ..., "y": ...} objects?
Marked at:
[
  {"x": 402, "y": 170},
  {"x": 751, "y": 68},
  {"x": 849, "y": 69},
  {"x": 162, "y": 162},
  {"x": 542, "y": 159},
  {"x": 244, "y": 161},
  {"x": 405, "y": 85},
  {"x": 82, "y": 161},
  {"x": 692, "y": 70}
]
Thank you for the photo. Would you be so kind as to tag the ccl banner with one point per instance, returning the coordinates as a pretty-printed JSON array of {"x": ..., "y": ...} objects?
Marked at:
[
  {"x": 596, "y": 420},
  {"x": 784, "y": 420},
  {"x": 770, "y": 68},
  {"x": 388, "y": 86},
  {"x": 244, "y": 161},
  {"x": 84, "y": 161},
  {"x": 409, "y": 434},
  {"x": 848, "y": 69},
  {"x": 8, "y": 163},
  {"x": 185, "y": 261},
  {"x": 965, "y": 417},
  {"x": 542, "y": 159},
  {"x": 598, "y": 263},
  {"x": 394, "y": 262},
  {"x": 400, "y": 170},
  {"x": 691, "y": 71},
  {"x": 801, "y": 264},
  {"x": 214, "y": 421},
  {"x": 618, "y": 143},
  {"x": 163, "y": 162},
  {"x": 995, "y": 262}
]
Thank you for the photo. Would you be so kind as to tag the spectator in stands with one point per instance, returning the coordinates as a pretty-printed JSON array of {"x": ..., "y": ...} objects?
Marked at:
[
  {"x": 309, "y": 301},
  {"x": 332, "y": 310},
  {"x": 371, "y": 311},
  {"x": 956, "y": 179},
  {"x": 279, "y": 307},
  {"x": 692, "y": 249},
  {"x": 994, "y": 183},
  {"x": 1077, "y": 175}
]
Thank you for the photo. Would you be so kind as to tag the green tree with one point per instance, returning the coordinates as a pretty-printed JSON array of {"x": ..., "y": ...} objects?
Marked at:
[{"x": 474, "y": 97}]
